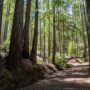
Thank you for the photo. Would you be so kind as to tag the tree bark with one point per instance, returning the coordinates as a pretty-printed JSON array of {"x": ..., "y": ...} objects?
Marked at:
[
  {"x": 14, "y": 58},
  {"x": 44, "y": 59},
  {"x": 1, "y": 11},
  {"x": 49, "y": 34},
  {"x": 35, "y": 38},
  {"x": 26, "y": 31},
  {"x": 54, "y": 37},
  {"x": 88, "y": 26}
]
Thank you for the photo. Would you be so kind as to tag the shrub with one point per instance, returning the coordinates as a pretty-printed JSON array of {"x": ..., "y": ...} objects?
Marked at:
[{"x": 60, "y": 60}]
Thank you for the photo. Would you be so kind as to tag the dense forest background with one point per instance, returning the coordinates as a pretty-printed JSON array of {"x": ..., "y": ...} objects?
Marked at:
[
  {"x": 37, "y": 32},
  {"x": 63, "y": 21}
]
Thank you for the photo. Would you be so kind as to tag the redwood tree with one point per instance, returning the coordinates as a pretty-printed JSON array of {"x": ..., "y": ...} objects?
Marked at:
[
  {"x": 26, "y": 31},
  {"x": 15, "y": 52},
  {"x": 88, "y": 26},
  {"x": 35, "y": 38}
]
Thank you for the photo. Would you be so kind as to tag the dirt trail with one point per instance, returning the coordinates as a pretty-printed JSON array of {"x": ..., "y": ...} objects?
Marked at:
[{"x": 75, "y": 78}]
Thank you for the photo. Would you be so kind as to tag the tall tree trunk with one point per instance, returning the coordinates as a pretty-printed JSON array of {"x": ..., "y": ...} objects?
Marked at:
[
  {"x": 88, "y": 26},
  {"x": 84, "y": 15},
  {"x": 49, "y": 38},
  {"x": 54, "y": 37},
  {"x": 6, "y": 22},
  {"x": 1, "y": 11},
  {"x": 26, "y": 31},
  {"x": 82, "y": 18},
  {"x": 40, "y": 38},
  {"x": 13, "y": 62},
  {"x": 44, "y": 59},
  {"x": 35, "y": 38}
]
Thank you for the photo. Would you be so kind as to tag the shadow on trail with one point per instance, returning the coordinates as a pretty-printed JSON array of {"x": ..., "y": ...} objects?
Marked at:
[
  {"x": 80, "y": 71},
  {"x": 75, "y": 78}
]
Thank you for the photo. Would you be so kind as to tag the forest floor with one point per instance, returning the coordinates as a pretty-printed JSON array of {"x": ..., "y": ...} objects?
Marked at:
[{"x": 75, "y": 78}]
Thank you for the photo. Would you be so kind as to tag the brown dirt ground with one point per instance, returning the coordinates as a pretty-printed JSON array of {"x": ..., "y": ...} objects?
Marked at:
[{"x": 75, "y": 78}]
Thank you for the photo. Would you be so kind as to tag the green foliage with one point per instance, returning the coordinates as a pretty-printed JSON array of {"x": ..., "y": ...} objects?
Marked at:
[
  {"x": 70, "y": 48},
  {"x": 6, "y": 44},
  {"x": 60, "y": 60}
]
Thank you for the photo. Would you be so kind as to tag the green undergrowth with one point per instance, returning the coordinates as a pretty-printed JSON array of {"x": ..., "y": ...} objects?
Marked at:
[
  {"x": 5, "y": 44},
  {"x": 60, "y": 60}
]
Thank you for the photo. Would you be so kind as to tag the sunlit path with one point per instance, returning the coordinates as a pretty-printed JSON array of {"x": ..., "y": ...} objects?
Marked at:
[{"x": 77, "y": 78}]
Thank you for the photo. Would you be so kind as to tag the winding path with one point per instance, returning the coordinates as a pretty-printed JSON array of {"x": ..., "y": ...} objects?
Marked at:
[{"x": 75, "y": 78}]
